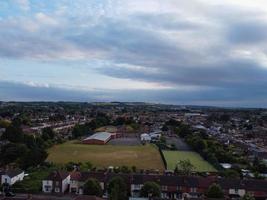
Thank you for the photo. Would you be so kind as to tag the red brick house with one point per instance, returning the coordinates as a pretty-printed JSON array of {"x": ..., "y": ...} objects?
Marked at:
[{"x": 57, "y": 182}]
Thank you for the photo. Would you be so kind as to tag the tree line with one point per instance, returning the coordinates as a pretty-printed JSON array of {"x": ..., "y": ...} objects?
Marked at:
[{"x": 23, "y": 150}]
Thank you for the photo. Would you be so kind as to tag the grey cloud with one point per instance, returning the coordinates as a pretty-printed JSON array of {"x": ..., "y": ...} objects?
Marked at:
[
  {"x": 246, "y": 97},
  {"x": 18, "y": 43},
  {"x": 22, "y": 92},
  {"x": 138, "y": 40},
  {"x": 228, "y": 74},
  {"x": 247, "y": 32},
  {"x": 164, "y": 22}
]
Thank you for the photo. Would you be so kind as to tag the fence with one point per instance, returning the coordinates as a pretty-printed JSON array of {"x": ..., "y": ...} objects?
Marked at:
[{"x": 163, "y": 158}]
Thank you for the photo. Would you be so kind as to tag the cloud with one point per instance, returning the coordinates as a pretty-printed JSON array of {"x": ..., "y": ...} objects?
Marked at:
[
  {"x": 210, "y": 97},
  {"x": 45, "y": 19},
  {"x": 248, "y": 32},
  {"x": 23, "y": 4},
  {"x": 212, "y": 46}
]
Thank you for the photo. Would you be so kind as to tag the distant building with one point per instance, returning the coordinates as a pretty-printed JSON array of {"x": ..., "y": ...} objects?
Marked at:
[
  {"x": 147, "y": 137},
  {"x": 226, "y": 165},
  {"x": 100, "y": 138}
]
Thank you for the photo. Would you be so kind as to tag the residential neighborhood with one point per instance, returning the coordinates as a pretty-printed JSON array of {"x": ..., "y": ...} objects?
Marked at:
[{"x": 184, "y": 152}]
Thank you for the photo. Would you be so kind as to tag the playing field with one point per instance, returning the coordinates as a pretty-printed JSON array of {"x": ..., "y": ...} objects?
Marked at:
[
  {"x": 173, "y": 157},
  {"x": 143, "y": 157}
]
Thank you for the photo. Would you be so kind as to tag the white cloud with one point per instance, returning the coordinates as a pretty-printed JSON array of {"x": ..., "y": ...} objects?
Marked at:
[
  {"x": 45, "y": 19},
  {"x": 23, "y": 4},
  {"x": 35, "y": 84}
]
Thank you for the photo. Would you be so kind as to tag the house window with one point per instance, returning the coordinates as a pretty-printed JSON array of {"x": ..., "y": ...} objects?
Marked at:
[
  {"x": 73, "y": 190},
  {"x": 137, "y": 187},
  {"x": 47, "y": 188},
  {"x": 5, "y": 180},
  {"x": 179, "y": 188},
  {"x": 57, "y": 183},
  {"x": 164, "y": 187}
]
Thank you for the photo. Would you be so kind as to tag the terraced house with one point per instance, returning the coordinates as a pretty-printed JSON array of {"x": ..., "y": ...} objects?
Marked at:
[{"x": 172, "y": 186}]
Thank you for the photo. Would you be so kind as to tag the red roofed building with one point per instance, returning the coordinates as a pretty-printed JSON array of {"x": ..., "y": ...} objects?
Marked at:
[{"x": 57, "y": 182}]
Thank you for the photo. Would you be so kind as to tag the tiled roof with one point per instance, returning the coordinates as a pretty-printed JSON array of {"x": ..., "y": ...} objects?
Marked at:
[
  {"x": 58, "y": 176},
  {"x": 11, "y": 172},
  {"x": 103, "y": 136}
]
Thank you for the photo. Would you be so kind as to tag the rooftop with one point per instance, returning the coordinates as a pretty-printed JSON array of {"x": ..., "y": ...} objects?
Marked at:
[{"x": 99, "y": 136}]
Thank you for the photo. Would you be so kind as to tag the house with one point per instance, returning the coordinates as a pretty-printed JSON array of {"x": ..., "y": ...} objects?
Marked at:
[
  {"x": 148, "y": 137},
  {"x": 155, "y": 135},
  {"x": 100, "y": 138},
  {"x": 78, "y": 179},
  {"x": 11, "y": 176},
  {"x": 57, "y": 182},
  {"x": 172, "y": 186},
  {"x": 238, "y": 187},
  {"x": 145, "y": 137},
  {"x": 138, "y": 181}
]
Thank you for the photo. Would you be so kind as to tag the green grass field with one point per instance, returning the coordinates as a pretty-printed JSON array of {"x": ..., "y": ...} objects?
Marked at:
[
  {"x": 143, "y": 157},
  {"x": 173, "y": 157}
]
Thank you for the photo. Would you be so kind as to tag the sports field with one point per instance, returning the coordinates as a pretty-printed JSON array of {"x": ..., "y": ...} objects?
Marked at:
[
  {"x": 143, "y": 157},
  {"x": 173, "y": 157}
]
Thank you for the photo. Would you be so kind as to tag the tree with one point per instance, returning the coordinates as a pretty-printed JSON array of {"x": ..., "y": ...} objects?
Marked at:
[
  {"x": 259, "y": 166},
  {"x": 13, "y": 134},
  {"x": 134, "y": 169},
  {"x": 150, "y": 189},
  {"x": 184, "y": 167},
  {"x": 164, "y": 128},
  {"x": 34, "y": 157},
  {"x": 83, "y": 129},
  {"x": 119, "y": 121},
  {"x": 172, "y": 122},
  {"x": 86, "y": 166},
  {"x": 12, "y": 152},
  {"x": 231, "y": 173},
  {"x": 92, "y": 187},
  {"x": 183, "y": 130},
  {"x": 247, "y": 197},
  {"x": 4, "y": 123},
  {"x": 224, "y": 117},
  {"x": 125, "y": 169},
  {"x": 163, "y": 139},
  {"x": 48, "y": 133},
  {"x": 215, "y": 191},
  {"x": 117, "y": 189}
]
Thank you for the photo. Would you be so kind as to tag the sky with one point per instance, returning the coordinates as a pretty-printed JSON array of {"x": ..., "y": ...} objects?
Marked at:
[{"x": 189, "y": 52}]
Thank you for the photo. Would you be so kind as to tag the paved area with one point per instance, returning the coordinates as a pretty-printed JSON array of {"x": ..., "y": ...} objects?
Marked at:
[
  {"x": 125, "y": 141},
  {"x": 39, "y": 197},
  {"x": 179, "y": 143}
]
